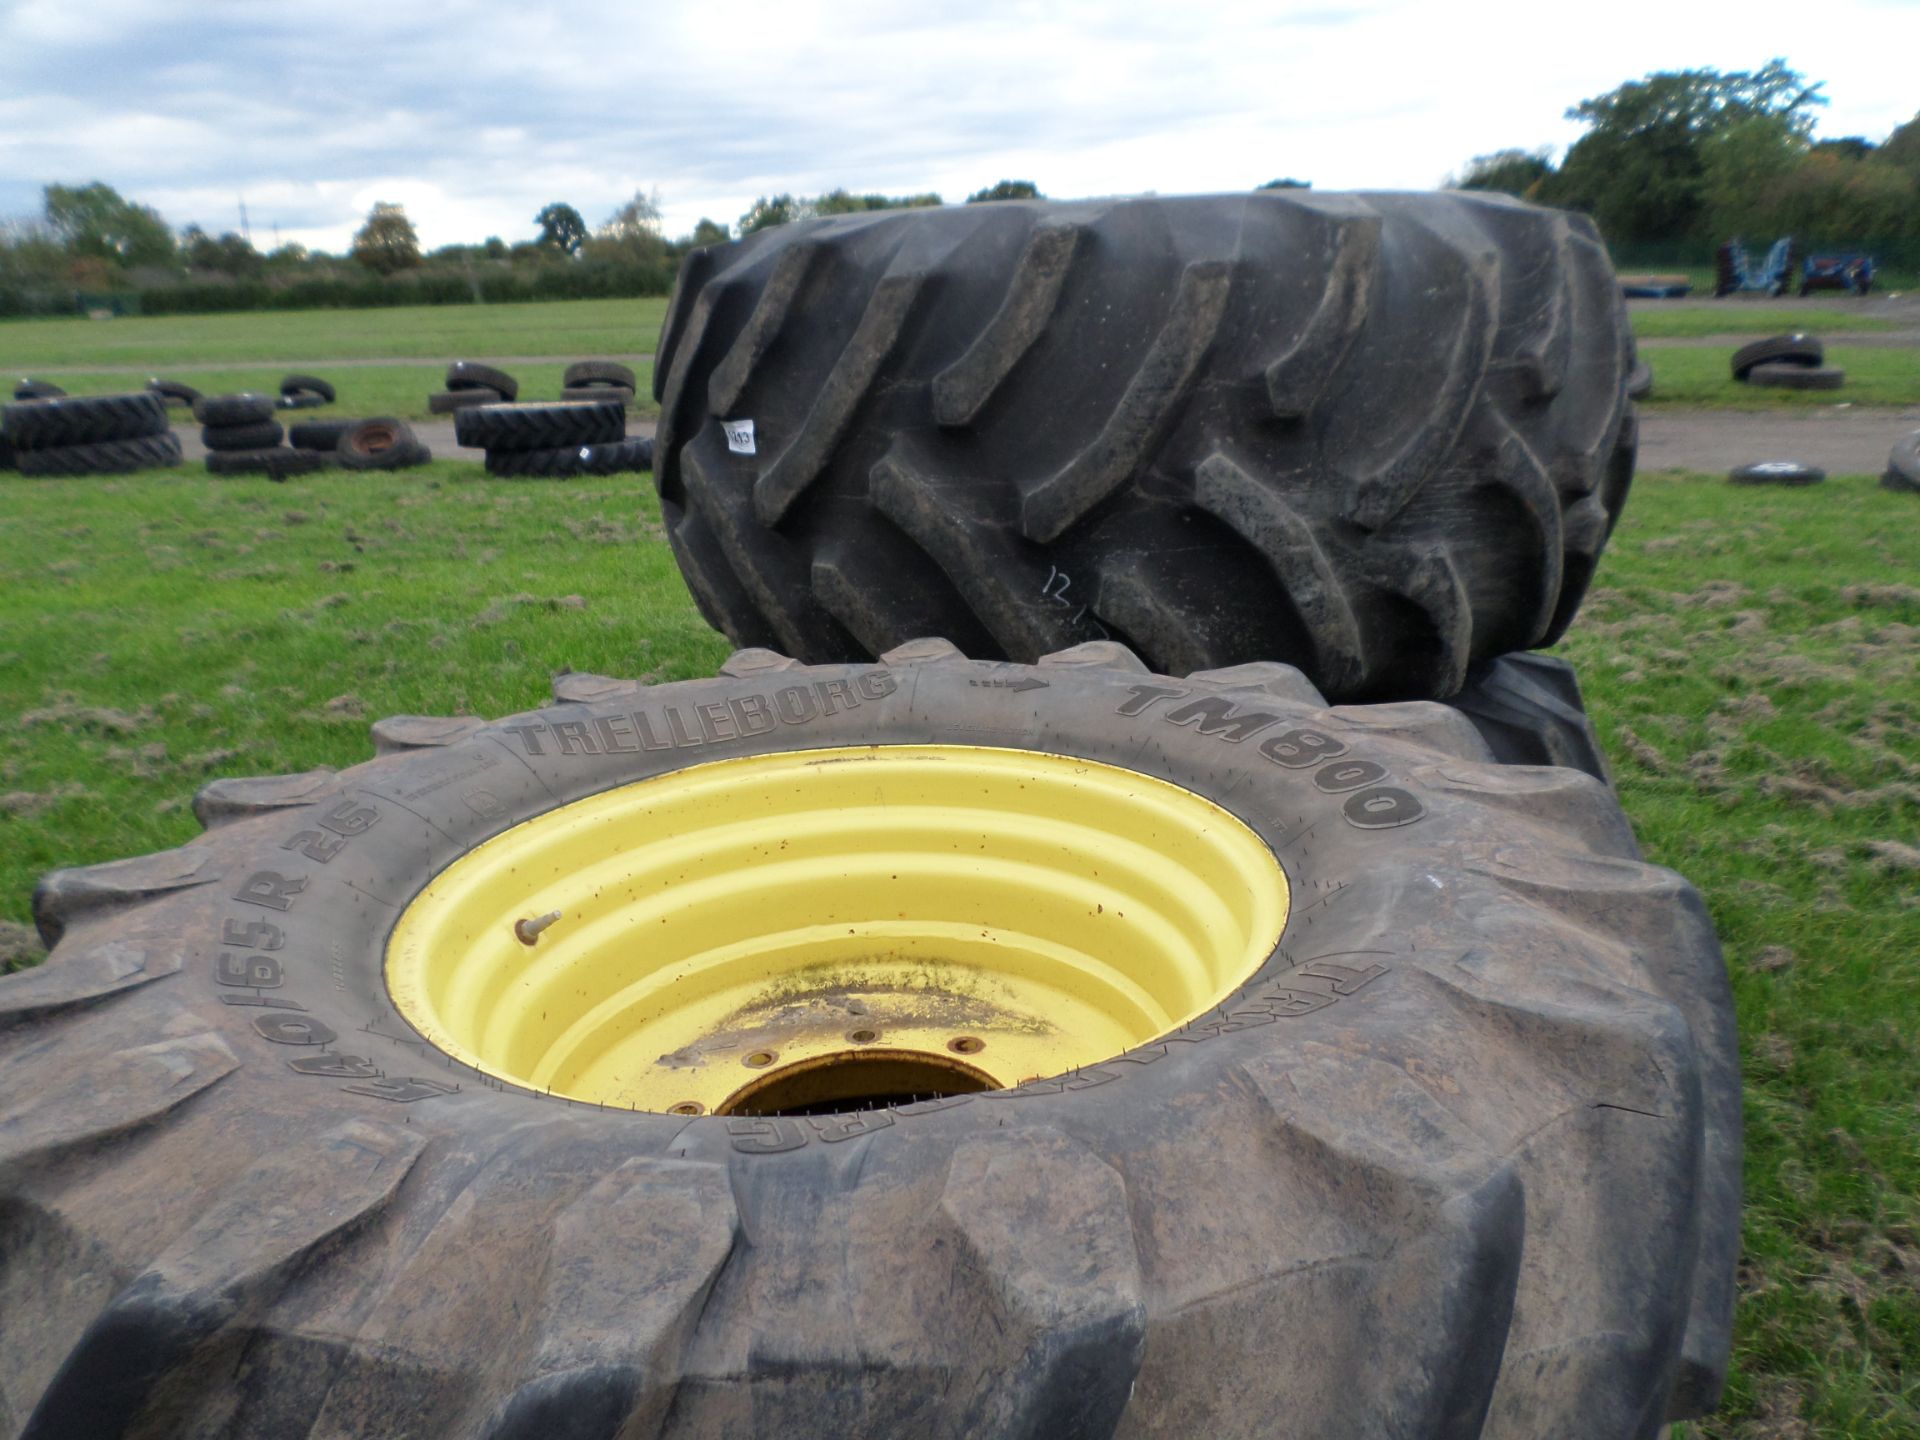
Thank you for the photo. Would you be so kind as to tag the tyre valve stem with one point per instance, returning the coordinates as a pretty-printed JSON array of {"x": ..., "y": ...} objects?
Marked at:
[{"x": 528, "y": 931}]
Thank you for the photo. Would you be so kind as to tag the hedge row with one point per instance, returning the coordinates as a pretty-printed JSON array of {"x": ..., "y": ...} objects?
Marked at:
[{"x": 582, "y": 281}]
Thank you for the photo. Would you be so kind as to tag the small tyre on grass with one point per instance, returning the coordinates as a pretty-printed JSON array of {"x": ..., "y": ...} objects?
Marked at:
[
  {"x": 174, "y": 392},
  {"x": 472, "y": 375},
  {"x": 260, "y": 435},
  {"x": 1903, "y": 466},
  {"x": 102, "y": 457},
  {"x": 1776, "y": 472},
  {"x": 381, "y": 443},
  {"x": 617, "y": 458},
  {"x": 1379, "y": 436},
  {"x": 300, "y": 400},
  {"x": 1798, "y": 377},
  {"x": 541, "y": 427},
  {"x": 322, "y": 435},
  {"x": 295, "y": 386},
  {"x": 37, "y": 390},
  {"x": 245, "y": 408},
  {"x": 598, "y": 372},
  {"x": 445, "y": 402},
  {"x": 70, "y": 420},
  {"x": 975, "y": 1003},
  {"x": 1796, "y": 349},
  {"x": 599, "y": 392},
  {"x": 275, "y": 464}
]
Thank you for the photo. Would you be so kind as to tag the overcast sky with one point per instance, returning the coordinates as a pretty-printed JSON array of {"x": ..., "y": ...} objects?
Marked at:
[{"x": 473, "y": 115}]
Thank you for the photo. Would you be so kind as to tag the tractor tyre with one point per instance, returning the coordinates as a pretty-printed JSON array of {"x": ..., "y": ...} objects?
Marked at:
[
  {"x": 101, "y": 457},
  {"x": 1903, "y": 466},
  {"x": 929, "y": 1047},
  {"x": 472, "y": 375},
  {"x": 69, "y": 420},
  {"x": 541, "y": 427},
  {"x": 1795, "y": 349},
  {"x": 260, "y": 435},
  {"x": 1380, "y": 437}
]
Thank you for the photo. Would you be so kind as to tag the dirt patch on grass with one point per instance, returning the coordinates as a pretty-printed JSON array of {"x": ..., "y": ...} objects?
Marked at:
[{"x": 70, "y": 715}]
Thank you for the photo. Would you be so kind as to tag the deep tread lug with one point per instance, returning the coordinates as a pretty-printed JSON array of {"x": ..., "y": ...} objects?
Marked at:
[
  {"x": 928, "y": 649},
  {"x": 220, "y": 802},
  {"x": 421, "y": 732},
  {"x": 66, "y": 897},
  {"x": 580, "y": 687},
  {"x": 756, "y": 660},
  {"x": 1097, "y": 655}
]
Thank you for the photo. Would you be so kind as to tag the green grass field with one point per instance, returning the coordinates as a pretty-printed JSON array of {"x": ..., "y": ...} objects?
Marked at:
[
  {"x": 564, "y": 329},
  {"x": 1755, "y": 317},
  {"x": 1752, "y": 658},
  {"x": 1702, "y": 378}
]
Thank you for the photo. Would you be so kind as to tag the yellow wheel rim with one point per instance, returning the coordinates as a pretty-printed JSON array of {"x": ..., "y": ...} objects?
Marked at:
[{"x": 824, "y": 929}]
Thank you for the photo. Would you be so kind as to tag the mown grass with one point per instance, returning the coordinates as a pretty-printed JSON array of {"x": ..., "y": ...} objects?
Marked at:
[
  {"x": 1733, "y": 316},
  {"x": 1752, "y": 658},
  {"x": 398, "y": 389},
  {"x": 567, "y": 329},
  {"x": 1702, "y": 377}
]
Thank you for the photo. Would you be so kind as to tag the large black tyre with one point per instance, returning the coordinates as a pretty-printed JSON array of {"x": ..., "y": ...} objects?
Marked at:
[
  {"x": 275, "y": 464},
  {"x": 379, "y": 443},
  {"x": 1795, "y": 349},
  {"x": 1903, "y": 465},
  {"x": 621, "y": 457},
  {"x": 245, "y": 408},
  {"x": 622, "y": 393},
  {"x": 1795, "y": 376},
  {"x": 541, "y": 427},
  {"x": 174, "y": 392},
  {"x": 308, "y": 385},
  {"x": 472, "y": 375},
  {"x": 102, "y": 457},
  {"x": 260, "y": 435},
  {"x": 588, "y": 373},
  {"x": 36, "y": 390},
  {"x": 446, "y": 402},
  {"x": 1529, "y": 710},
  {"x": 321, "y": 435},
  {"x": 1462, "y": 1159},
  {"x": 70, "y": 420},
  {"x": 1380, "y": 436}
]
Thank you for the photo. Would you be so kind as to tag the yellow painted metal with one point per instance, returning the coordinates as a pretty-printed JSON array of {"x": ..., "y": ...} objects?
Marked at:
[{"x": 1031, "y": 913}]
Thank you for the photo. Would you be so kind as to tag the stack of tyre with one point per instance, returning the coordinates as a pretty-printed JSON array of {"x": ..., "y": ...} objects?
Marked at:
[
  {"x": 73, "y": 435},
  {"x": 1787, "y": 362},
  {"x": 598, "y": 380},
  {"x": 574, "y": 437},
  {"x": 243, "y": 437},
  {"x": 470, "y": 383},
  {"x": 1247, "y": 508}
]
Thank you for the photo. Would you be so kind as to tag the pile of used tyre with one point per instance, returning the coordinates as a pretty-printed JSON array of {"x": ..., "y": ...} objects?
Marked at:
[
  {"x": 46, "y": 432},
  {"x": 574, "y": 437},
  {"x": 1787, "y": 362},
  {"x": 1213, "y": 991},
  {"x": 243, "y": 437},
  {"x": 470, "y": 383},
  {"x": 378, "y": 443}
]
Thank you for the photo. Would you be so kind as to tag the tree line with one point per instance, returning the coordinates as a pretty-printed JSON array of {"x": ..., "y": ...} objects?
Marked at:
[
  {"x": 90, "y": 242},
  {"x": 1689, "y": 158}
]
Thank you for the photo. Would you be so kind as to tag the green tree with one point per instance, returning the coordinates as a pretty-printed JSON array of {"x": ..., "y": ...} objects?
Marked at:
[
  {"x": 1006, "y": 190},
  {"x": 1641, "y": 168},
  {"x": 561, "y": 228},
  {"x": 1511, "y": 172},
  {"x": 387, "y": 243},
  {"x": 1742, "y": 167},
  {"x": 636, "y": 221},
  {"x": 1902, "y": 148},
  {"x": 95, "y": 222},
  {"x": 771, "y": 210},
  {"x": 709, "y": 232},
  {"x": 494, "y": 248},
  {"x": 1286, "y": 184}
]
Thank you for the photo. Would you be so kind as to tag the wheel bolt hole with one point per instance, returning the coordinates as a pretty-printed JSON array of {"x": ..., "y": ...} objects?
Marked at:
[
  {"x": 760, "y": 1059},
  {"x": 687, "y": 1107},
  {"x": 966, "y": 1045},
  {"x": 863, "y": 1037}
]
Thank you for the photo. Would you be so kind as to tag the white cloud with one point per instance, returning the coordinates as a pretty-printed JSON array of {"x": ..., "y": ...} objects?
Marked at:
[{"x": 474, "y": 115}]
